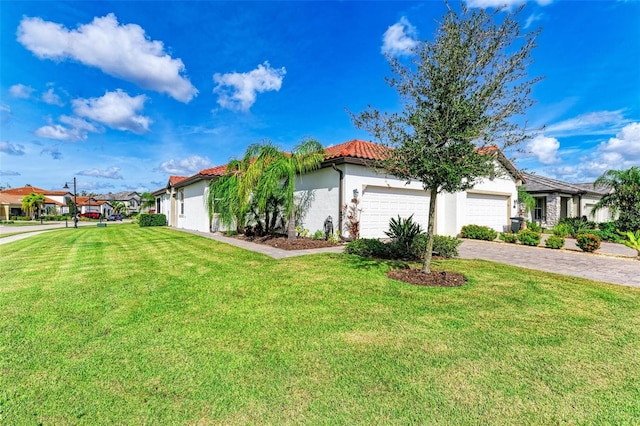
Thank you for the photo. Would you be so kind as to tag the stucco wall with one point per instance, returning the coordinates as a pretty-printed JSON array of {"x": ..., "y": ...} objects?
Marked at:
[
  {"x": 322, "y": 186},
  {"x": 195, "y": 216}
]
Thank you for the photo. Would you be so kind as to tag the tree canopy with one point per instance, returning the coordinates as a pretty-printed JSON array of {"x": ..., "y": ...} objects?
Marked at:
[{"x": 460, "y": 94}]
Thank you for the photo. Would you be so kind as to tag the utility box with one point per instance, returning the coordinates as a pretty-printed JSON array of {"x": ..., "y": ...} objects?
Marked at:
[{"x": 101, "y": 225}]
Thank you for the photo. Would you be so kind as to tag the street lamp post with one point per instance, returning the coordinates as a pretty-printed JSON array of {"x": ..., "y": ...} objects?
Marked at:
[{"x": 75, "y": 202}]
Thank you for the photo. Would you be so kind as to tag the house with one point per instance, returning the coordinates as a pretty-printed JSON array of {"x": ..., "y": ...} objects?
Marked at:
[
  {"x": 130, "y": 199},
  {"x": 92, "y": 205},
  {"x": 556, "y": 200},
  {"x": 56, "y": 202},
  {"x": 346, "y": 174}
]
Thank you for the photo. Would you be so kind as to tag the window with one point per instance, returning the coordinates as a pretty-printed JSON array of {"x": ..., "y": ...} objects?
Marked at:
[
  {"x": 181, "y": 202},
  {"x": 538, "y": 212}
]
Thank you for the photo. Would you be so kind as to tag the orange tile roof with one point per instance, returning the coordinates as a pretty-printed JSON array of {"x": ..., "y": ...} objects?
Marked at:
[
  {"x": 214, "y": 171},
  {"x": 175, "y": 179},
  {"x": 357, "y": 149},
  {"x": 26, "y": 190},
  {"x": 10, "y": 198}
]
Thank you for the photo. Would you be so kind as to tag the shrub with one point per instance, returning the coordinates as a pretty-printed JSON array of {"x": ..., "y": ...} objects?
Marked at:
[
  {"x": 562, "y": 230},
  {"x": 367, "y": 247},
  {"x": 633, "y": 241},
  {"x": 578, "y": 225},
  {"x": 446, "y": 247},
  {"x": 318, "y": 235},
  {"x": 554, "y": 242},
  {"x": 534, "y": 226},
  {"x": 509, "y": 237},
  {"x": 529, "y": 237},
  {"x": 607, "y": 231},
  {"x": 588, "y": 242},
  {"x": 403, "y": 233},
  {"x": 152, "y": 219},
  {"x": 478, "y": 232}
]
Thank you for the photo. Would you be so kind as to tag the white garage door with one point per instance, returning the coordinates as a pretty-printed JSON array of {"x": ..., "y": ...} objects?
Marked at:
[
  {"x": 487, "y": 210},
  {"x": 380, "y": 204}
]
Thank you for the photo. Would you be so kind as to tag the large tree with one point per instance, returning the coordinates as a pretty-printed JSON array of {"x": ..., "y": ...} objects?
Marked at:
[
  {"x": 623, "y": 198},
  {"x": 459, "y": 95}
]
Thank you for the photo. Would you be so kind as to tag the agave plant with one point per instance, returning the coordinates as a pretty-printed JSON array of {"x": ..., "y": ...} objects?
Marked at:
[{"x": 403, "y": 231}]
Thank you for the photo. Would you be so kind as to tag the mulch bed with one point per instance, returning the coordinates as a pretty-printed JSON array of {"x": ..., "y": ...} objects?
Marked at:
[
  {"x": 284, "y": 243},
  {"x": 433, "y": 279}
]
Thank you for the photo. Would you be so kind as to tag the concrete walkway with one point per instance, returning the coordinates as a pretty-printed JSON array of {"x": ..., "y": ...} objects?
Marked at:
[{"x": 31, "y": 230}]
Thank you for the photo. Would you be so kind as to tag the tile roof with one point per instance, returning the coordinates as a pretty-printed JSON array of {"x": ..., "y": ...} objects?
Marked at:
[
  {"x": 537, "y": 183},
  {"x": 175, "y": 179},
  {"x": 214, "y": 171},
  {"x": 357, "y": 149},
  {"x": 10, "y": 198},
  {"x": 26, "y": 190}
]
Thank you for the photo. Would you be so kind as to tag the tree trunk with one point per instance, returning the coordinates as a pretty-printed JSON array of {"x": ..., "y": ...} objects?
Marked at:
[
  {"x": 426, "y": 264},
  {"x": 291, "y": 226}
]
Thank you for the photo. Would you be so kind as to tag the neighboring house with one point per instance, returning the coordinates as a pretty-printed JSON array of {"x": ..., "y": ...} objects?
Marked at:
[
  {"x": 130, "y": 199},
  {"x": 92, "y": 205},
  {"x": 346, "y": 174},
  {"x": 11, "y": 200},
  {"x": 556, "y": 200}
]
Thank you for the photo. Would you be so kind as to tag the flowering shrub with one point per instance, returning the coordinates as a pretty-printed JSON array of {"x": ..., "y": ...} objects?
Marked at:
[{"x": 588, "y": 242}]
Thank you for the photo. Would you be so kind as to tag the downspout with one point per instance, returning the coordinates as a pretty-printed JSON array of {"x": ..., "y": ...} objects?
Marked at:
[{"x": 340, "y": 195}]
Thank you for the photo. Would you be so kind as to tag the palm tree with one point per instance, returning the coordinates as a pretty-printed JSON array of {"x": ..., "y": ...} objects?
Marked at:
[
  {"x": 118, "y": 206},
  {"x": 279, "y": 170},
  {"x": 147, "y": 201},
  {"x": 32, "y": 203},
  {"x": 624, "y": 197},
  {"x": 229, "y": 195}
]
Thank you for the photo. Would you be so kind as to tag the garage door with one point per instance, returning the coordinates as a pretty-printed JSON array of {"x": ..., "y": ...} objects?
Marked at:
[
  {"x": 487, "y": 210},
  {"x": 380, "y": 204}
]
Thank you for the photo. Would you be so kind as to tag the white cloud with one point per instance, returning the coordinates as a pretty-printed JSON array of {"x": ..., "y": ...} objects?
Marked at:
[
  {"x": 626, "y": 145},
  {"x": 122, "y": 51},
  {"x": 545, "y": 149},
  {"x": 110, "y": 173},
  {"x": 11, "y": 149},
  {"x": 508, "y": 4},
  {"x": 531, "y": 19},
  {"x": 593, "y": 123},
  {"x": 115, "y": 109},
  {"x": 9, "y": 173},
  {"x": 61, "y": 133},
  {"x": 237, "y": 91},
  {"x": 51, "y": 98},
  {"x": 399, "y": 39},
  {"x": 5, "y": 108},
  {"x": 79, "y": 124},
  {"x": 186, "y": 166},
  {"x": 20, "y": 91}
]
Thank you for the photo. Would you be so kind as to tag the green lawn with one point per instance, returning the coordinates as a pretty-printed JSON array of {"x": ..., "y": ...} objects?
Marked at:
[{"x": 127, "y": 325}]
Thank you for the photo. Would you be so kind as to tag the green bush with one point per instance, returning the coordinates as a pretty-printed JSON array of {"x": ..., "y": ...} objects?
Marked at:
[
  {"x": 562, "y": 230},
  {"x": 588, "y": 242},
  {"x": 478, "y": 232},
  {"x": 534, "y": 226},
  {"x": 607, "y": 231},
  {"x": 578, "y": 225},
  {"x": 152, "y": 219},
  {"x": 444, "y": 246},
  {"x": 509, "y": 237},
  {"x": 367, "y": 247},
  {"x": 529, "y": 237},
  {"x": 554, "y": 242},
  {"x": 318, "y": 235}
]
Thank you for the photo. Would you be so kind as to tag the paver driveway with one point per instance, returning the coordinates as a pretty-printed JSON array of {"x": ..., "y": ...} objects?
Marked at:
[{"x": 597, "y": 267}]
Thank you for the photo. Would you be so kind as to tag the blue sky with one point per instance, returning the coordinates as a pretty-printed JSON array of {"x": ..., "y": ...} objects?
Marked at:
[{"x": 121, "y": 95}]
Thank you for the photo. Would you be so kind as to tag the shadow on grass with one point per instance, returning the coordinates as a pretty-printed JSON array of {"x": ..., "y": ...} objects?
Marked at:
[{"x": 359, "y": 262}]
